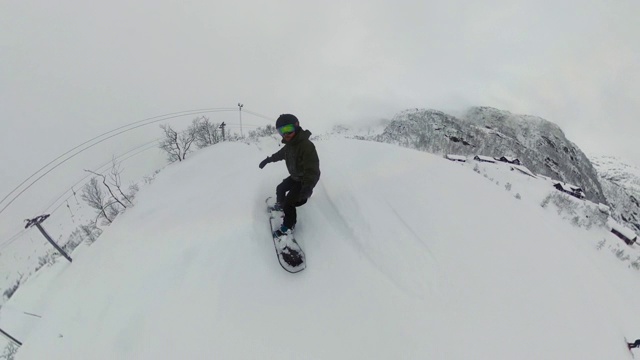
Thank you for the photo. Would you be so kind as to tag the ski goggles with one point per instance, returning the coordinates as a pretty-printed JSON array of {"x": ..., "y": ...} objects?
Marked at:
[{"x": 287, "y": 129}]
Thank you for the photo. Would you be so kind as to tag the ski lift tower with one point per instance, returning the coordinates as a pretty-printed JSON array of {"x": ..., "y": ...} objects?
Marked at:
[{"x": 37, "y": 222}]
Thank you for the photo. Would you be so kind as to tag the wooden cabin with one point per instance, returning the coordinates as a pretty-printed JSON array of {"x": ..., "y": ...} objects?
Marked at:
[
  {"x": 572, "y": 190},
  {"x": 624, "y": 233},
  {"x": 509, "y": 159}
]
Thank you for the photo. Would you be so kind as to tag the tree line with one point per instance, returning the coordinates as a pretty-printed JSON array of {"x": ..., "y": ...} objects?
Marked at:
[
  {"x": 201, "y": 133},
  {"x": 104, "y": 192}
]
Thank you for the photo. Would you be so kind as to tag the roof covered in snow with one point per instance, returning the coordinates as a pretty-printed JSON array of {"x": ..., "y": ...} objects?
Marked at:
[
  {"x": 628, "y": 233},
  {"x": 485, "y": 158},
  {"x": 456, "y": 157}
]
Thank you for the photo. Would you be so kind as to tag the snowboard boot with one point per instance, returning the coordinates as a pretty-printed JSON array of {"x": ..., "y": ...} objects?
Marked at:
[
  {"x": 276, "y": 207},
  {"x": 282, "y": 232}
]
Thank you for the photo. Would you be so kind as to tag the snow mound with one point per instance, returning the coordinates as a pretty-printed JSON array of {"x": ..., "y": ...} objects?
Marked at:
[{"x": 409, "y": 256}]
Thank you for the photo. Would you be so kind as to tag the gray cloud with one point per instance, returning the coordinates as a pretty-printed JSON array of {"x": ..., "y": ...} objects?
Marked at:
[{"x": 72, "y": 69}]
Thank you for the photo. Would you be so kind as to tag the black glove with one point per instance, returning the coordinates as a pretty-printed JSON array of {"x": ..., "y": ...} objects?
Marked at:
[
  {"x": 265, "y": 162},
  {"x": 305, "y": 193}
]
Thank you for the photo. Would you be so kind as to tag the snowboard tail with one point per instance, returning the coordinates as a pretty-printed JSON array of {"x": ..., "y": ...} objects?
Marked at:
[{"x": 289, "y": 253}]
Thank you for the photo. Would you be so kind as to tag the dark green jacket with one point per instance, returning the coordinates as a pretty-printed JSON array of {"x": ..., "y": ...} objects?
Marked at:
[{"x": 301, "y": 158}]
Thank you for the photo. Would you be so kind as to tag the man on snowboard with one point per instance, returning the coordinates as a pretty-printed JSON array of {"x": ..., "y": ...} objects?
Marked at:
[{"x": 303, "y": 164}]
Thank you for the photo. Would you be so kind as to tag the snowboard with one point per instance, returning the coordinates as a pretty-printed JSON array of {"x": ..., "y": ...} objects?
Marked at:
[{"x": 289, "y": 252}]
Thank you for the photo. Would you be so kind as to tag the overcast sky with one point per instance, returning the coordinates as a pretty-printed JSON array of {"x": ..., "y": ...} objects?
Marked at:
[{"x": 71, "y": 69}]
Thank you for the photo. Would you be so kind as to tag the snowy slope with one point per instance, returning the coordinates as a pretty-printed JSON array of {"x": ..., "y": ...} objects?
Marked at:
[{"x": 410, "y": 256}]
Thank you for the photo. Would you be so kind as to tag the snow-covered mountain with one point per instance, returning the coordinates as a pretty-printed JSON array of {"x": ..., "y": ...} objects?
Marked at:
[
  {"x": 618, "y": 171},
  {"x": 539, "y": 144},
  {"x": 621, "y": 184},
  {"x": 409, "y": 256}
]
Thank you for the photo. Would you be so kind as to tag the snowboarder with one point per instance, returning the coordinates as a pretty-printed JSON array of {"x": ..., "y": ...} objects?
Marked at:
[
  {"x": 634, "y": 344},
  {"x": 303, "y": 165}
]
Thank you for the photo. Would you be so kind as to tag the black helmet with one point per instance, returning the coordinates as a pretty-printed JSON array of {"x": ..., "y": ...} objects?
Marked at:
[{"x": 286, "y": 119}]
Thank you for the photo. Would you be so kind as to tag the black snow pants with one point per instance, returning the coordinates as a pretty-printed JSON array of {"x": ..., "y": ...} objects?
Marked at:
[{"x": 287, "y": 194}]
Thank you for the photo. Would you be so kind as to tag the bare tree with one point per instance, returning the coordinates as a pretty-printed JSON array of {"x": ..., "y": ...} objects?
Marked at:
[
  {"x": 90, "y": 232},
  {"x": 113, "y": 209},
  {"x": 114, "y": 176},
  {"x": 206, "y": 132},
  {"x": 267, "y": 130},
  {"x": 10, "y": 351},
  {"x": 95, "y": 198},
  {"x": 104, "y": 182},
  {"x": 177, "y": 145}
]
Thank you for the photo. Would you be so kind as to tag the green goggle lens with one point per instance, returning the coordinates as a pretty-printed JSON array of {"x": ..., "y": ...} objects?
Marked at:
[{"x": 287, "y": 129}]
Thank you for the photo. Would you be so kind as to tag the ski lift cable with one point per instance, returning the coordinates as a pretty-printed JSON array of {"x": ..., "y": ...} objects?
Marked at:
[
  {"x": 78, "y": 152},
  {"x": 167, "y": 116}
]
